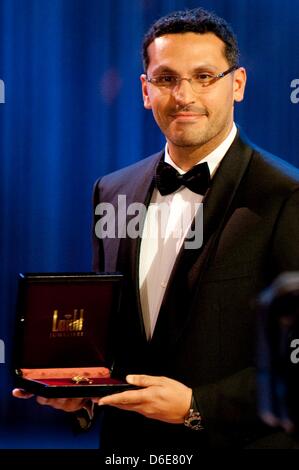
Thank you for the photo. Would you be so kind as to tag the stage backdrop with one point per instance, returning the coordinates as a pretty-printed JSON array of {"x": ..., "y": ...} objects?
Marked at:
[{"x": 71, "y": 110}]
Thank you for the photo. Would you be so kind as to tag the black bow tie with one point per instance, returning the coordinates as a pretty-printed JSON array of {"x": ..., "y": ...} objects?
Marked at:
[{"x": 168, "y": 180}]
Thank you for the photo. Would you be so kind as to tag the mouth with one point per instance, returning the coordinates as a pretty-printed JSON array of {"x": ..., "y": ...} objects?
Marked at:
[{"x": 187, "y": 117}]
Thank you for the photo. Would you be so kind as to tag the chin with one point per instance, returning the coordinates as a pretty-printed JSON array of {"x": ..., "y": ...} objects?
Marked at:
[
  {"x": 188, "y": 141},
  {"x": 192, "y": 138}
]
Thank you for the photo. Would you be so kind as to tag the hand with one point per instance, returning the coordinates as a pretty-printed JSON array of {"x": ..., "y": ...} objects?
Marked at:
[
  {"x": 272, "y": 420},
  {"x": 161, "y": 398},
  {"x": 65, "y": 404}
]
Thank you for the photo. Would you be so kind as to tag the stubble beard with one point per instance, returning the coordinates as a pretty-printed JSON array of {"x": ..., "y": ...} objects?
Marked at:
[{"x": 195, "y": 138}]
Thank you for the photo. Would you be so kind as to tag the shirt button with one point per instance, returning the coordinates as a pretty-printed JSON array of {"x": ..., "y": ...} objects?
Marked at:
[{"x": 163, "y": 284}]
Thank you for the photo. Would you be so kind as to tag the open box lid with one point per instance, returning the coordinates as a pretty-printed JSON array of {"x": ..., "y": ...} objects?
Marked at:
[{"x": 65, "y": 321}]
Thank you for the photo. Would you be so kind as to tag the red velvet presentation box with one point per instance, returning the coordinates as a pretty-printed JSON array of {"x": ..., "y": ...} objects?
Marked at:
[{"x": 65, "y": 334}]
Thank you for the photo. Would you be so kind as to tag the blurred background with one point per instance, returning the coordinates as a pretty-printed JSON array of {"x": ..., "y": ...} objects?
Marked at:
[{"x": 71, "y": 110}]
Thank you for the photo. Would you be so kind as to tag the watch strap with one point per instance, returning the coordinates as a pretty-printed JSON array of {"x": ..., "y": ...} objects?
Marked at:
[{"x": 193, "y": 420}]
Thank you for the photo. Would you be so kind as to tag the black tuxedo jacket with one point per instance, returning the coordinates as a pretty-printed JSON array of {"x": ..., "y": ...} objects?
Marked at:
[{"x": 205, "y": 333}]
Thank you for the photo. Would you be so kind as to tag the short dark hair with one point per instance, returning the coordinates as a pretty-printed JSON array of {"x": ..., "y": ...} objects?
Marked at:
[{"x": 196, "y": 20}]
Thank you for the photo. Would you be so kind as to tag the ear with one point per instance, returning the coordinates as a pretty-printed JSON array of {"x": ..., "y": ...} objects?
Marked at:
[
  {"x": 239, "y": 83},
  {"x": 144, "y": 86}
]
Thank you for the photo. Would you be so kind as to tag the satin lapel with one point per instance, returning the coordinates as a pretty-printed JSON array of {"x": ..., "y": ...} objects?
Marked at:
[
  {"x": 129, "y": 248},
  {"x": 134, "y": 191},
  {"x": 191, "y": 263}
]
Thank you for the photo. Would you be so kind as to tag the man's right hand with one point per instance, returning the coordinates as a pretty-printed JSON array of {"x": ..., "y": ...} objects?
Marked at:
[{"x": 65, "y": 404}]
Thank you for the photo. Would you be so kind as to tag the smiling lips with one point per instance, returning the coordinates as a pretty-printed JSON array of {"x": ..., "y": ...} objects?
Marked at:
[{"x": 187, "y": 117}]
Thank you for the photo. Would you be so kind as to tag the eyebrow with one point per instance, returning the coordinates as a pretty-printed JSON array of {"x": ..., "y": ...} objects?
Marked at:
[{"x": 163, "y": 69}]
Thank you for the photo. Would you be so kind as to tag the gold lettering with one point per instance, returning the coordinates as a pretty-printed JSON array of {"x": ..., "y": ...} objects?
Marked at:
[
  {"x": 73, "y": 321},
  {"x": 54, "y": 324},
  {"x": 69, "y": 325},
  {"x": 80, "y": 326}
]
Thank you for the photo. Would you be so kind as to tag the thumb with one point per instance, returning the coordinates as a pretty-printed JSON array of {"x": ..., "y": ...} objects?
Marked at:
[
  {"x": 144, "y": 380},
  {"x": 20, "y": 393}
]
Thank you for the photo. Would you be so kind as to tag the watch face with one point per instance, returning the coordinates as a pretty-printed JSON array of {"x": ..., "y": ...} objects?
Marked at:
[{"x": 193, "y": 421}]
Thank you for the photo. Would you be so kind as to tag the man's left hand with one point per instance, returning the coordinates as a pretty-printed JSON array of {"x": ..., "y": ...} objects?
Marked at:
[{"x": 160, "y": 398}]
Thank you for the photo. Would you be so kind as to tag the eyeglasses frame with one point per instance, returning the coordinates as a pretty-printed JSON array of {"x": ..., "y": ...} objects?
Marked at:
[{"x": 179, "y": 79}]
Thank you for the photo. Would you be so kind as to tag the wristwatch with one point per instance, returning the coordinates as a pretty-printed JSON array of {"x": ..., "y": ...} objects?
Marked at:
[{"x": 193, "y": 419}]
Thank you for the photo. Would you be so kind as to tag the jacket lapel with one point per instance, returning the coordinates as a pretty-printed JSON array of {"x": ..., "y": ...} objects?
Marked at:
[
  {"x": 141, "y": 195},
  {"x": 191, "y": 263},
  {"x": 135, "y": 192},
  {"x": 129, "y": 248}
]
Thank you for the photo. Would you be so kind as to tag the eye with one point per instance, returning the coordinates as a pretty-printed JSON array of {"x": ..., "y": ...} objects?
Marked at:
[
  {"x": 204, "y": 77},
  {"x": 166, "y": 80}
]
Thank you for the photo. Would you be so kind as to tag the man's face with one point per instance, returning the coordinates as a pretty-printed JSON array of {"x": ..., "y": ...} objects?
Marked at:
[{"x": 188, "y": 118}]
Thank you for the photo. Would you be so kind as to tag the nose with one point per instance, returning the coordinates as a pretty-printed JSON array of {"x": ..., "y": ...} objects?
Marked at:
[{"x": 183, "y": 92}]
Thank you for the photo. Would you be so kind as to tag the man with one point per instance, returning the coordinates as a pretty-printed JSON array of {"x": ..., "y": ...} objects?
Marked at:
[{"x": 186, "y": 333}]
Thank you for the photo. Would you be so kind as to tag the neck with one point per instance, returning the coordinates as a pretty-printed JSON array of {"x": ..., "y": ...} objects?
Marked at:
[{"x": 185, "y": 157}]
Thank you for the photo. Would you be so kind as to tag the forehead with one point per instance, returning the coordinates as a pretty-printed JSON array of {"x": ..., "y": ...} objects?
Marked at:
[{"x": 187, "y": 50}]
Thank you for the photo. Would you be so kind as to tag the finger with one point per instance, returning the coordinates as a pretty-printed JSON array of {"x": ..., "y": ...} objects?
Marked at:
[
  {"x": 66, "y": 404},
  {"x": 134, "y": 397},
  {"x": 43, "y": 400},
  {"x": 96, "y": 400},
  {"x": 288, "y": 425},
  {"x": 138, "y": 408},
  {"x": 145, "y": 380},
  {"x": 20, "y": 393}
]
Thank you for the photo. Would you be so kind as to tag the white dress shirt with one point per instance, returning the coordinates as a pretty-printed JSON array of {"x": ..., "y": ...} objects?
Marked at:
[{"x": 167, "y": 222}]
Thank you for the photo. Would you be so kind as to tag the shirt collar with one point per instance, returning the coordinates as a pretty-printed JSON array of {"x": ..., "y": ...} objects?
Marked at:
[{"x": 214, "y": 158}]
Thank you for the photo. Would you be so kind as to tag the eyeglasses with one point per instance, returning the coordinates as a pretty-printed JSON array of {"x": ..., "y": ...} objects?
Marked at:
[{"x": 198, "y": 82}]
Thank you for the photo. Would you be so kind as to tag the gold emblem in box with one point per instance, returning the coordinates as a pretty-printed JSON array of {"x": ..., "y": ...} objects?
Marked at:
[{"x": 68, "y": 324}]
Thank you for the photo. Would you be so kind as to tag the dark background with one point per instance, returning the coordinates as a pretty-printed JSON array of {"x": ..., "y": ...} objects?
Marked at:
[{"x": 73, "y": 111}]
